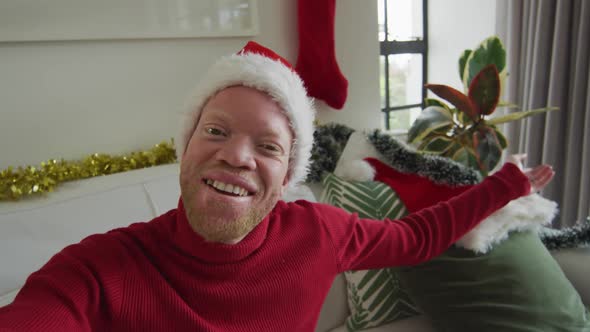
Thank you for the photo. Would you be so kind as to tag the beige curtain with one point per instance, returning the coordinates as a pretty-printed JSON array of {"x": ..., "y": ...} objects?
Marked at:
[{"x": 547, "y": 43}]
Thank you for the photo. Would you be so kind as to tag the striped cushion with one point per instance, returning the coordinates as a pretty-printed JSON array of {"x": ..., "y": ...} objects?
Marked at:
[{"x": 375, "y": 297}]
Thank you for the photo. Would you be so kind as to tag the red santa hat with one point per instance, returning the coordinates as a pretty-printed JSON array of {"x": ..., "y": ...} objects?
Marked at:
[{"x": 258, "y": 67}]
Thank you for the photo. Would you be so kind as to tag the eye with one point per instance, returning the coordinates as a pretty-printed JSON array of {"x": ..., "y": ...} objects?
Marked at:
[
  {"x": 214, "y": 131},
  {"x": 272, "y": 148}
]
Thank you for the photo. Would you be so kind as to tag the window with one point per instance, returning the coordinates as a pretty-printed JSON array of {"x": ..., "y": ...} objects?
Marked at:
[{"x": 403, "y": 41}]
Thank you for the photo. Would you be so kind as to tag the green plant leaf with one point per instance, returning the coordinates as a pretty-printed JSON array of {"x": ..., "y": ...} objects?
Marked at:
[
  {"x": 466, "y": 156},
  {"x": 489, "y": 51},
  {"x": 484, "y": 90},
  {"x": 442, "y": 131},
  {"x": 456, "y": 146},
  {"x": 487, "y": 149},
  {"x": 438, "y": 145},
  {"x": 455, "y": 97},
  {"x": 501, "y": 138},
  {"x": 434, "y": 102},
  {"x": 463, "y": 118},
  {"x": 519, "y": 115},
  {"x": 463, "y": 61},
  {"x": 430, "y": 118}
]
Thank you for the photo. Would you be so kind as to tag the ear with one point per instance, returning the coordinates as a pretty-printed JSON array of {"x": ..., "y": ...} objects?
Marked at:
[{"x": 286, "y": 181}]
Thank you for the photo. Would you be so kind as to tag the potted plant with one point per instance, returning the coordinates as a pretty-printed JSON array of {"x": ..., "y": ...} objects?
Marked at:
[{"x": 463, "y": 128}]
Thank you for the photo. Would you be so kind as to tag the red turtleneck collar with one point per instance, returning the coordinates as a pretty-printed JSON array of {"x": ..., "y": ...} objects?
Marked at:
[{"x": 213, "y": 252}]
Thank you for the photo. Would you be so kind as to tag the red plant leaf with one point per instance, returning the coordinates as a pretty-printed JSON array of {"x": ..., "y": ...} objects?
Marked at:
[
  {"x": 484, "y": 90},
  {"x": 455, "y": 97}
]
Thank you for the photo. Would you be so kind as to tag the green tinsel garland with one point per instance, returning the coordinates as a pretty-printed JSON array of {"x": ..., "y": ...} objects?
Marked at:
[
  {"x": 569, "y": 237},
  {"x": 407, "y": 160},
  {"x": 329, "y": 142}
]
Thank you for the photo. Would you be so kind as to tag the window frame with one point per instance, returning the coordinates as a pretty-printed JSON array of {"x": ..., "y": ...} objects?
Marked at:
[{"x": 394, "y": 47}]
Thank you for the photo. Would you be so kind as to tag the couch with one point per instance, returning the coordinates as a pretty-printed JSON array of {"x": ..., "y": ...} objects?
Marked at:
[{"x": 33, "y": 229}]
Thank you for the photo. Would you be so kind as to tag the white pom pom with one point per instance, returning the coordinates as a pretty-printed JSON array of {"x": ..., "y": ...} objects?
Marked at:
[{"x": 356, "y": 170}]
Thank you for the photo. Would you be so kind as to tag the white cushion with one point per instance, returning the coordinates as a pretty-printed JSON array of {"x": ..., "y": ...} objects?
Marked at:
[
  {"x": 301, "y": 191},
  {"x": 357, "y": 147}
]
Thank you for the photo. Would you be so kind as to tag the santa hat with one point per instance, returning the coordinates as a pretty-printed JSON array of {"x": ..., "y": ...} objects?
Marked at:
[{"x": 258, "y": 67}]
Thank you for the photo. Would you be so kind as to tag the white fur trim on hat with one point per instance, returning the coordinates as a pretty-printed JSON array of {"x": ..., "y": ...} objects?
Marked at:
[
  {"x": 271, "y": 77},
  {"x": 355, "y": 170}
]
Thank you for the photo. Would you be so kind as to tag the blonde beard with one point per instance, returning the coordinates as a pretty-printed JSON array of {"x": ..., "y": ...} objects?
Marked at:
[{"x": 214, "y": 229}]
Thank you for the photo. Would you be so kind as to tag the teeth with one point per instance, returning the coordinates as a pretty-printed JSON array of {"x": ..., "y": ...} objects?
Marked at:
[
  {"x": 219, "y": 185},
  {"x": 232, "y": 189}
]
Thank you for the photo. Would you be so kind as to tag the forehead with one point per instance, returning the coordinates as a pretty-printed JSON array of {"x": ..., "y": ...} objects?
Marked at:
[{"x": 247, "y": 108}]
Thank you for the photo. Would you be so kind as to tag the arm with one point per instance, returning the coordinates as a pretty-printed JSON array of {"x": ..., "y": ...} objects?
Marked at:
[
  {"x": 64, "y": 295},
  {"x": 418, "y": 192},
  {"x": 415, "y": 191},
  {"x": 363, "y": 244}
]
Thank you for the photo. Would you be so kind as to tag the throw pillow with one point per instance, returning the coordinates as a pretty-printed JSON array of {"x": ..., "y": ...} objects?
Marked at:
[
  {"x": 374, "y": 296},
  {"x": 301, "y": 191},
  {"x": 517, "y": 286}
]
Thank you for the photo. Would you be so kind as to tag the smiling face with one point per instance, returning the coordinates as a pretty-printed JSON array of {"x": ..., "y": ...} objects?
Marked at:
[{"x": 235, "y": 167}]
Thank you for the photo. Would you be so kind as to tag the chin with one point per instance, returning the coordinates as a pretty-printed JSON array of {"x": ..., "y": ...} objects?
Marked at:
[{"x": 222, "y": 230}]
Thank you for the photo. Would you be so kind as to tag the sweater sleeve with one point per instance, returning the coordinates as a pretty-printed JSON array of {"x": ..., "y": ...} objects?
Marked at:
[
  {"x": 367, "y": 244},
  {"x": 64, "y": 295},
  {"x": 415, "y": 191}
]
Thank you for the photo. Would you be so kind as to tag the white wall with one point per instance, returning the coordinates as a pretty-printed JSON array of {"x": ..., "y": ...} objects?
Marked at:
[
  {"x": 68, "y": 99},
  {"x": 456, "y": 25}
]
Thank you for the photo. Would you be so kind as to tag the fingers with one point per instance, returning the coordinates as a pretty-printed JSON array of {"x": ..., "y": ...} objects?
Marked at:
[
  {"x": 544, "y": 179},
  {"x": 540, "y": 177}
]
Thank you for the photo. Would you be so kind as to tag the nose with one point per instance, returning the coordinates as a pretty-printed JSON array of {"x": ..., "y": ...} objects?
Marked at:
[{"x": 238, "y": 152}]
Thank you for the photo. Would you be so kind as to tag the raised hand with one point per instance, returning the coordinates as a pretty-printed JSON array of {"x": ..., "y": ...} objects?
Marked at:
[{"x": 539, "y": 176}]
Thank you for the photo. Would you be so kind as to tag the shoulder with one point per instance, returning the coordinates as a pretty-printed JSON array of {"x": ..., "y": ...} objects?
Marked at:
[
  {"x": 159, "y": 224},
  {"x": 311, "y": 210},
  {"x": 114, "y": 246}
]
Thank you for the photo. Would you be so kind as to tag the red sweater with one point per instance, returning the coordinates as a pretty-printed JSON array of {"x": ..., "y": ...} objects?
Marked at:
[{"x": 161, "y": 276}]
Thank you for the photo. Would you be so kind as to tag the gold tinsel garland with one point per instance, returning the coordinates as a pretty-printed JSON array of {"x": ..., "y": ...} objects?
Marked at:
[{"x": 31, "y": 180}]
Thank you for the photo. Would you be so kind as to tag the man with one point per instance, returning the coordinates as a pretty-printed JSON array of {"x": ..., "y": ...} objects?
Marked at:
[{"x": 232, "y": 256}]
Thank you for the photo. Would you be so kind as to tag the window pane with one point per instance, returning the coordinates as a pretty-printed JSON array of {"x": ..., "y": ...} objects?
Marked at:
[
  {"x": 402, "y": 120},
  {"x": 405, "y": 79},
  {"x": 404, "y": 19}
]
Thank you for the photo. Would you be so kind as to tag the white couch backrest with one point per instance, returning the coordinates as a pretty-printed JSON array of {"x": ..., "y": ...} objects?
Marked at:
[{"x": 34, "y": 229}]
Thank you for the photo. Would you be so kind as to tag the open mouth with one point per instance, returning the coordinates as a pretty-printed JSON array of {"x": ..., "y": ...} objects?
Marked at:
[{"x": 226, "y": 188}]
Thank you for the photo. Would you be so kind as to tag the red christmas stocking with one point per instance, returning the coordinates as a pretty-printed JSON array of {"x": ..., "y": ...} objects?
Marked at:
[
  {"x": 316, "y": 62},
  {"x": 415, "y": 191}
]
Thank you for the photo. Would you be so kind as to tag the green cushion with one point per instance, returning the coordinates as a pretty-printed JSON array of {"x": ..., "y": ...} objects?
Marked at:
[
  {"x": 374, "y": 296},
  {"x": 517, "y": 286}
]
